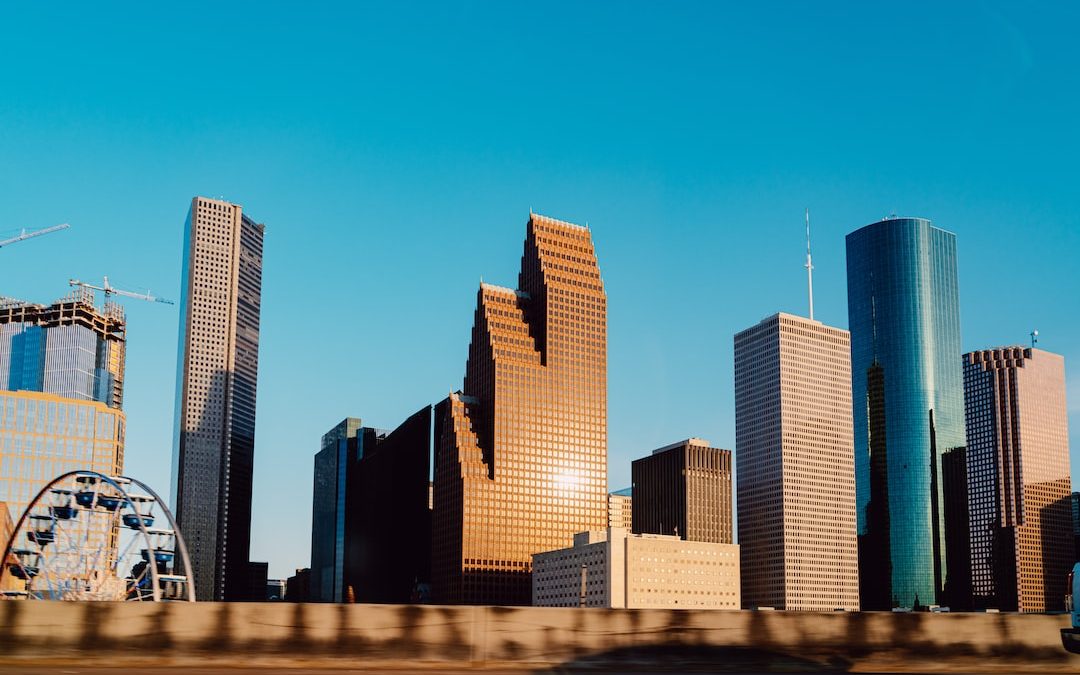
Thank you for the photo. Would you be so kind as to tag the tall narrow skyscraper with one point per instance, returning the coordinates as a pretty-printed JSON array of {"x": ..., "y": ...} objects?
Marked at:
[
  {"x": 1018, "y": 478},
  {"x": 218, "y": 361},
  {"x": 908, "y": 402},
  {"x": 795, "y": 465},
  {"x": 521, "y": 452}
]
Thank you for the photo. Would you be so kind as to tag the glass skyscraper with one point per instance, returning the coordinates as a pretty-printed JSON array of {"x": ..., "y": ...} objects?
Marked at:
[{"x": 908, "y": 400}]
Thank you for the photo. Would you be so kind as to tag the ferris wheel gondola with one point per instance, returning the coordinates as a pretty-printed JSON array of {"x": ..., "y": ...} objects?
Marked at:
[{"x": 88, "y": 536}]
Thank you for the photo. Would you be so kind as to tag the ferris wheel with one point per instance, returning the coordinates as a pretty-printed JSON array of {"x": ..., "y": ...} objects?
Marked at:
[{"x": 88, "y": 536}]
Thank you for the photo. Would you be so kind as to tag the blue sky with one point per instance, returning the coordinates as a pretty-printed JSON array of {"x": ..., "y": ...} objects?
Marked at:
[{"x": 394, "y": 152}]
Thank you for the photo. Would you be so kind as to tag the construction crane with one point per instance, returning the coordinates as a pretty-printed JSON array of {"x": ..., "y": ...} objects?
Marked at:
[
  {"x": 30, "y": 235},
  {"x": 112, "y": 290}
]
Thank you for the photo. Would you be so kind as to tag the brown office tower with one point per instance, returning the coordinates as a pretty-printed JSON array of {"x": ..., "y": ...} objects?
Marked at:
[
  {"x": 1018, "y": 478},
  {"x": 683, "y": 489},
  {"x": 796, "y": 466},
  {"x": 218, "y": 361},
  {"x": 521, "y": 452}
]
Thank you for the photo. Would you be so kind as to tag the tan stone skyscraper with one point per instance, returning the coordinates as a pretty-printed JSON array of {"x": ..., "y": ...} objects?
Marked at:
[
  {"x": 218, "y": 362},
  {"x": 1018, "y": 478},
  {"x": 794, "y": 458},
  {"x": 521, "y": 452}
]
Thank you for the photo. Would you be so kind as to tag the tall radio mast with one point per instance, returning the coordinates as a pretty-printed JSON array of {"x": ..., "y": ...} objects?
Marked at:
[{"x": 809, "y": 267}]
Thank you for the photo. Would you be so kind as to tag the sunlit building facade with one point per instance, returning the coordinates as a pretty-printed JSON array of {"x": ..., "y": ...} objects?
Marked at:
[
  {"x": 616, "y": 569},
  {"x": 908, "y": 404},
  {"x": 7, "y": 529},
  {"x": 521, "y": 451},
  {"x": 1018, "y": 478},
  {"x": 217, "y": 369},
  {"x": 621, "y": 508},
  {"x": 70, "y": 348},
  {"x": 44, "y": 435},
  {"x": 796, "y": 465}
]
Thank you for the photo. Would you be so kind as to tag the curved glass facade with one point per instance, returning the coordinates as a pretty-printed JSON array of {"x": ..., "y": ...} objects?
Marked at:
[{"x": 908, "y": 398}]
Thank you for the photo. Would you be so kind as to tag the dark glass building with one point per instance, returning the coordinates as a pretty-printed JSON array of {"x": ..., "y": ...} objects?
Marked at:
[
  {"x": 387, "y": 555},
  {"x": 340, "y": 447},
  {"x": 908, "y": 404}
]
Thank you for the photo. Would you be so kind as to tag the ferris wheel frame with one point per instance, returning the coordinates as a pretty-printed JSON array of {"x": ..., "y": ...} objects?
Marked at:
[{"x": 124, "y": 499}]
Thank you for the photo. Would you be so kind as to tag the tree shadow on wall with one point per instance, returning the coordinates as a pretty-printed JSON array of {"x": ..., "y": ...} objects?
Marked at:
[{"x": 682, "y": 658}]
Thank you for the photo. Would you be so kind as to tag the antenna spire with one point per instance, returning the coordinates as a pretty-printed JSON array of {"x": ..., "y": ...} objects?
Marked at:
[{"x": 809, "y": 267}]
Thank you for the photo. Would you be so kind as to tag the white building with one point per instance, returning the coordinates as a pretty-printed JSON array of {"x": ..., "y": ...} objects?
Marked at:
[{"x": 613, "y": 568}]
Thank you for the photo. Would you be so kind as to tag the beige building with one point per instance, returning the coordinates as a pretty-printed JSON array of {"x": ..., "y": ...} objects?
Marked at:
[
  {"x": 45, "y": 435},
  {"x": 1019, "y": 488},
  {"x": 214, "y": 437},
  {"x": 795, "y": 465},
  {"x": 620, "y": 509},
  {"x": 613, "y": 568},
  {"x": 521, "y": 451},
  {"x": 7, "y": 528}
]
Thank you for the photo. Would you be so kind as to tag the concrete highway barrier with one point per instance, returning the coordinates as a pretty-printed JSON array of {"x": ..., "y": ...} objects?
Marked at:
[{"x": 431, "y": 637}]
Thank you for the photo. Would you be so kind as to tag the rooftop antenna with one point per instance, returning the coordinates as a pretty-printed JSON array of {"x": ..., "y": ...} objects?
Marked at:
[
  {"x": 1034, "y": 338},
  {"x": 809, "y": 267}
]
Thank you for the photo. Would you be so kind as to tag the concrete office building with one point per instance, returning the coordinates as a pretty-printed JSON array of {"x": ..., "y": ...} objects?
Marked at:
[
  {"x": 1018, "y": 478},
  {"x": 684, "y": 489},
  {"x": 795, "y": 459},
  {"x": 69, "y": 348},
  {"x": 218, "y": 363},
  {"x": 908, "y": 404},
  {"x": 620, "y": 509},
  {"x": 521, "y": 451},
  {"x": 613, "y": 568},
  {"x": 45, "y": 435}
]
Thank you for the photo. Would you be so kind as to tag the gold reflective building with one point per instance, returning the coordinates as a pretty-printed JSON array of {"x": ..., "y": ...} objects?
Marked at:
[
  {"x": 521, "y": 452},
  {"x": 44, "y": 435}
]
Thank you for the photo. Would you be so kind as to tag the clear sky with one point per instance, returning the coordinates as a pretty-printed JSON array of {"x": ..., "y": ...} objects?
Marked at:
[{"x": 394, "y": 152}]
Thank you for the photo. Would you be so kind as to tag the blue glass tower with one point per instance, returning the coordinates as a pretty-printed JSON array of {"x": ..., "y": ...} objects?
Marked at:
[{"x": 908, "y": 394}]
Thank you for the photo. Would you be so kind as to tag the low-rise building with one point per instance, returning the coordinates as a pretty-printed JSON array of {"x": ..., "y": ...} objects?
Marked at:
[
  {"x": 614, "y": 568},
  {"x": 620, "y": 508}
]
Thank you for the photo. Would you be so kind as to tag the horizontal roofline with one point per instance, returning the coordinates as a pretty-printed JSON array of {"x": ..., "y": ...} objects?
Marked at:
[{"x": 698, "y": 442}]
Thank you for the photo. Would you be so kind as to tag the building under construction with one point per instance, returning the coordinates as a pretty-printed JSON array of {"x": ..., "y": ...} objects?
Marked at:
[{"x": 70, "y": 348}]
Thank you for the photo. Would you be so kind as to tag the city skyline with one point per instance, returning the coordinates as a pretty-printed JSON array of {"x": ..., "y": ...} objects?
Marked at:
[{"x": 374, "y": 222}]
